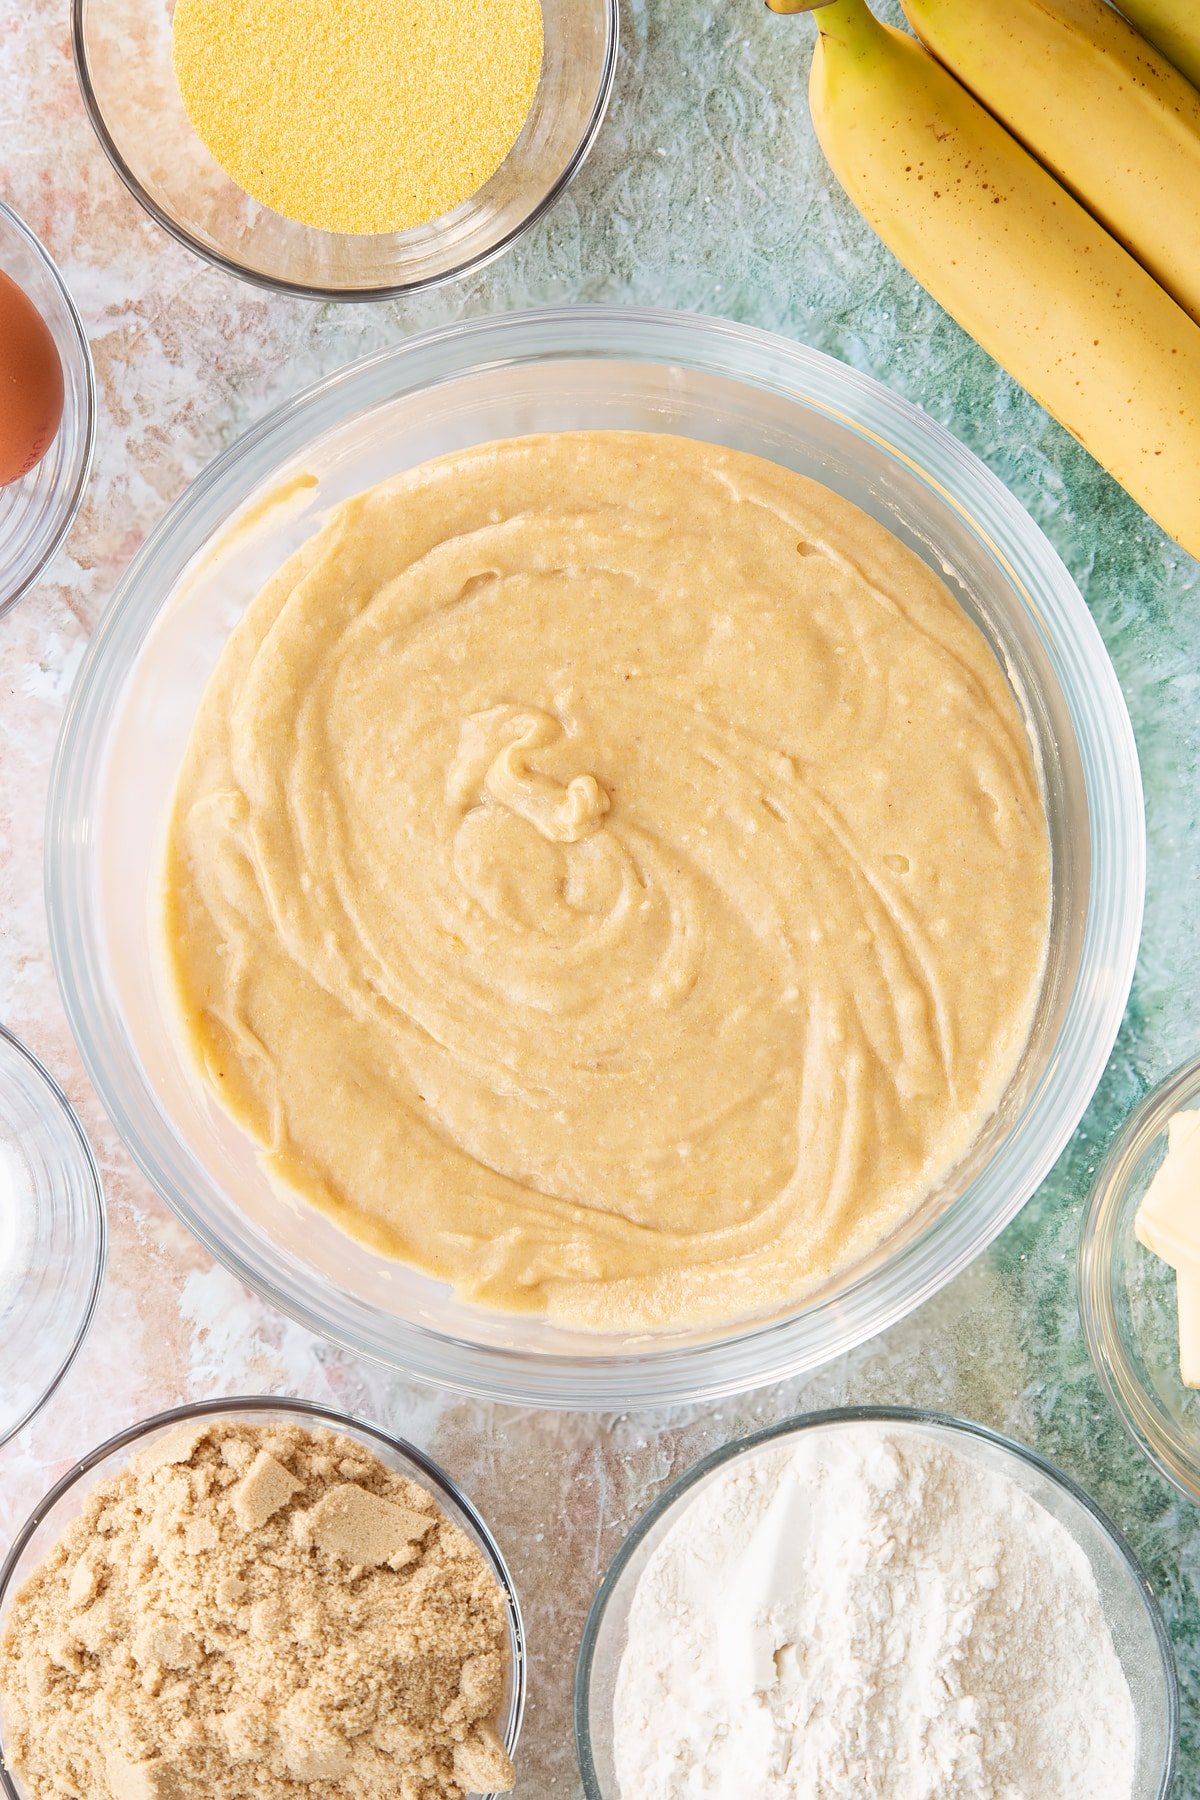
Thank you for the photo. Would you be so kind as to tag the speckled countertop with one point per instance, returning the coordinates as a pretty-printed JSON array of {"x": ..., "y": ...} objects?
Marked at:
[{"x": 706, "y": 192}]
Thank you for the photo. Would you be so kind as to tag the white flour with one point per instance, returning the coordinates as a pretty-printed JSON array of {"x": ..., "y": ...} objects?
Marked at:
[{"x": 868, "y": 1614}]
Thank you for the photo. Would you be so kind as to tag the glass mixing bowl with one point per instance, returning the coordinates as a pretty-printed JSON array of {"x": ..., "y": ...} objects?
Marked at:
[
  {"x": 65, "y": 1502},
  {"x": 1138, "y": 1632},
  {"x": 123, "y": 60},
  {"x": 36, "y": 512},
  {"x": 1127, "y": 1294},
  {"x": 53, "y": 1235},
  {"x": 146, "y": 667}
]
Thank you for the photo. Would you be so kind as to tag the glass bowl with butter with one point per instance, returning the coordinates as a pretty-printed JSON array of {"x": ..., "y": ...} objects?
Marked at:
[
  {"x": 581, "y": 370},
  {"x": 1139, "y": 1277}
]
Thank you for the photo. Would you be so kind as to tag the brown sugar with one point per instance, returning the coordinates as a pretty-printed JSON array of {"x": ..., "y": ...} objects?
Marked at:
[{"x": 249, "y": 1612}]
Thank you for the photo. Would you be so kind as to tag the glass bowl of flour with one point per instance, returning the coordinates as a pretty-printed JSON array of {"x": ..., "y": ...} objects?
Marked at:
[
  {"x": 52, "y": 1235},
  {"x": 876, "y": 1601}
]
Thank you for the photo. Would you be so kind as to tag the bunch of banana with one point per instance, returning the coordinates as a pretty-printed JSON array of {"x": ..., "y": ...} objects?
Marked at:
[
  {"x": 1103, "y": 110},
  {"x": 1006, "y": 249}
]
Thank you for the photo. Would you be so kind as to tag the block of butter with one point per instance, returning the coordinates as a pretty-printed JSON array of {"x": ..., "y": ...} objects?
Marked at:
[{"x": 1168, "y": 1223}]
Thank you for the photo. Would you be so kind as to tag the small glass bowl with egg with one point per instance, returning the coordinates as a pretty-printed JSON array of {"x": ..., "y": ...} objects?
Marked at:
[
  {"x": 37, "y": 507},
  {"x": 1129, "y": 1296}
]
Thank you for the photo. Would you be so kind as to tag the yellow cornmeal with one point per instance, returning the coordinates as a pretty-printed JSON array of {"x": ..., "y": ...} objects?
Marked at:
[
  {"x": 609, "y": 874},
  {"x": 358, "y": 115}
]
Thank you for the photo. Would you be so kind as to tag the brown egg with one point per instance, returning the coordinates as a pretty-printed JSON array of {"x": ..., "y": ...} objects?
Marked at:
[{"x": 31, "y": 384}]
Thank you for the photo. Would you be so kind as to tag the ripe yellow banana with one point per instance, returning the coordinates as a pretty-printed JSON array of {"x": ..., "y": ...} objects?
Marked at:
[
  {"x": 1101, "y": 108},
  {"x": 1014, "y": 259},
  {"x": 1173, "y": 26}
]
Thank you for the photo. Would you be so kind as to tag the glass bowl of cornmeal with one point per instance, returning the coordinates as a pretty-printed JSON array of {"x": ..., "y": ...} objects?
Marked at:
[
  {"x": 1139, "y": 1277},
  {"x": 352, "y": 151},
  {"x": 537, "y": 820}
]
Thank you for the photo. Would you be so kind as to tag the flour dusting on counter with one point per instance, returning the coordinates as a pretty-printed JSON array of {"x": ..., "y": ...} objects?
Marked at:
[{"x": 869, "y": 1613}]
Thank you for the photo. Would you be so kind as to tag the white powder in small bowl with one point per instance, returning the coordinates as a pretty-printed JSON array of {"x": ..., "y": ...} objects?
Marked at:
[
  {"x": 16, "y": 1222},
  {"x": 869, "y": 1613}
]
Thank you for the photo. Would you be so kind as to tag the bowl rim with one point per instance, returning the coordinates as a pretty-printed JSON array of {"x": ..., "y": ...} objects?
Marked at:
[
  {"x": 648, "y": 1373},
  {"x": 1144, "y": 1422},
  {"x": 303, "y": 290},
  {"x": 70, "y": 508},
  {"x": 799, "y": 1423},
  {"x": 96, "y": 1206},
  {"x": 310, "y": 1412}
]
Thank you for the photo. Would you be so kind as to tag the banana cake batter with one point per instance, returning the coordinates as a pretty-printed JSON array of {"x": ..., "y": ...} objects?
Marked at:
[{"x": 609, "y": 874}]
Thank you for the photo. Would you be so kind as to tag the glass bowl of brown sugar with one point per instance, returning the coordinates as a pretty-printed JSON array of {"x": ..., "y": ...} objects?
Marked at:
[
  {"x": 124, "y": 1558},
  {"x": 127, "y": 76}
]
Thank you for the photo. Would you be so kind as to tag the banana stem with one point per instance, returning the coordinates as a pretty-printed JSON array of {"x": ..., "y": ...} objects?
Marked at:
[{"x": 852, "y": 17}]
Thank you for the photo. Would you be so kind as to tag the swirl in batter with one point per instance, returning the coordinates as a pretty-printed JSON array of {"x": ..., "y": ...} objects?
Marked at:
[{"x": 609, "y": 874}]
